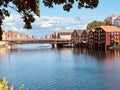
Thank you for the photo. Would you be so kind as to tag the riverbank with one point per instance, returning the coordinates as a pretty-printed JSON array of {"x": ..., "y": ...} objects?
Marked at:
[
  {"x": 2, "y": 44},
  {"x": 115, "y": 47}
]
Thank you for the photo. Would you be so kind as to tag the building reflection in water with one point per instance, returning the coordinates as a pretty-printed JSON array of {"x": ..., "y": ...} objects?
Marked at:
[
  {"x": 98, "y": 54},
  {"x": 3, "y": 54}
]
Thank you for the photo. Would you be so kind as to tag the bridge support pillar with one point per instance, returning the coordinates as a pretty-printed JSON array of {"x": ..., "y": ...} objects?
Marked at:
[
  {"x": 8, "y": 45},
  {"x": 55, "y": 45}
]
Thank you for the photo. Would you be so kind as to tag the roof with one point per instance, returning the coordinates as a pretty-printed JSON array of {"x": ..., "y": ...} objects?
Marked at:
[
  {"x": 66, "y": 32},
  {"x": 63, "y": 31},
  {"x": 118, "y": 18},
  {"x": 65, "y": 37},
  {"x": 87, "y": 31},
  {"x": 110, "y": 28},
  {"x": 79, "y": 32}
]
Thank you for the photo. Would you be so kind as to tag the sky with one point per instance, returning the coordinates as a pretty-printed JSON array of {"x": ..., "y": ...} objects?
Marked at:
[{"x": 56, "y": 18}]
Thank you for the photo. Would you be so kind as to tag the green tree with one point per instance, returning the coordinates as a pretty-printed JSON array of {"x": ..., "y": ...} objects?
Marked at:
[
  {"x": 28, "y": 8},
  {"x": 4, "y": 85},
  {"x": 68, "y": 4},
  {"x": 95, "y": 24},
  {"x": 22, "y": 87},
  {"x": 108, "y": 22}
]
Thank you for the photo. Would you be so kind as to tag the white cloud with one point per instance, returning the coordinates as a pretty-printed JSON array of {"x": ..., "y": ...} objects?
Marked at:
[
  {"x": 14, "y": 28},
  {"x": 44, "y": 24},
  {"x": 9, "y": 18},
  {"x": 9, "y": 23},
  {"x": 57, "y": 28}
]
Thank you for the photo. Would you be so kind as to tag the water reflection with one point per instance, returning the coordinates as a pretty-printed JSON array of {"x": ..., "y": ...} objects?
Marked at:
[
  {"x": 4, "y": 54},
  {"x": 46, "y": 68},
  {"x": 99, "y": 54}
]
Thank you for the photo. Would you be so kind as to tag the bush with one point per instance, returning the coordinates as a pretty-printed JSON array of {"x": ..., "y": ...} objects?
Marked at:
[
  {"x": 118, "y": 44},
  {"x": 5, "y": 86}
]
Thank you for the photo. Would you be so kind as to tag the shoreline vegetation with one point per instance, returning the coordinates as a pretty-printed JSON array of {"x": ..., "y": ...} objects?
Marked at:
[
  {"x": 4, "y": 85},
  {"x": 116, "y": 46}
]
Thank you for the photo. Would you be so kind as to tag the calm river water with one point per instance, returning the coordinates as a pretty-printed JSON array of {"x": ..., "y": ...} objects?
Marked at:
[{"x": 44, "y": 68}]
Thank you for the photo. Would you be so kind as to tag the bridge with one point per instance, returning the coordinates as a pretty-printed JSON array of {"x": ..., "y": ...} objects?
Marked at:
[{"x": 55, "y": 42}]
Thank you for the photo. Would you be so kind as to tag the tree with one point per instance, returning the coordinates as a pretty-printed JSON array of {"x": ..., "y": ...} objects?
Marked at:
[
  {"x": 108, "y": 22},
  {"x": 68, "y": 4},
  {"x": 22, "y": 87},
  {"x": 5, "y": 86},
  {"x": 28, "y": 8},
  {"x": 95, "y": 24}
]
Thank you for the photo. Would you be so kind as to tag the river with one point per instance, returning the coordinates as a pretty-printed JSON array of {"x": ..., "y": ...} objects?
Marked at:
[{"x": 40, "y": 67}]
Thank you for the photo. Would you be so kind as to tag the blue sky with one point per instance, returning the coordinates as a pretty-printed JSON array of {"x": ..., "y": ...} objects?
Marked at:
[
  {"x": 104, "y": 9},
  {"x": 56, "y": 18}
]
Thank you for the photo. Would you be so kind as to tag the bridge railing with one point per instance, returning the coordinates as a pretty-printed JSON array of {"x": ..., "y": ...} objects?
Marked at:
[{"x": 39, "y": 40}]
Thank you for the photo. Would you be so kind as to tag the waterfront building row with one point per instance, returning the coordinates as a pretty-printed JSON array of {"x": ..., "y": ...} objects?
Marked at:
[
  {"x": 102, "y": 37},
  {"x": 60, "y": 35},
  {"x": 15, "y": 36}
]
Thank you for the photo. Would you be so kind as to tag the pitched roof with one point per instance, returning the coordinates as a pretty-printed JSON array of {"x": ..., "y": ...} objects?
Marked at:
[
  {"x": 64, "y": 31},
  {"x": 79, "y": 32},
  {"x": 87, "y": 31},
  {"x": 110, "y": 28}
]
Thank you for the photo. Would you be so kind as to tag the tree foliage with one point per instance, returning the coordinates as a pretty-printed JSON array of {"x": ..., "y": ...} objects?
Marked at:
[
  {"x": 5, "y": 86},
  {"x": 26, "y": 8},
  {"x": 108, "y": 22},
  {"x": 95, "y": 24},
  {"x": 68, "y": 4}
]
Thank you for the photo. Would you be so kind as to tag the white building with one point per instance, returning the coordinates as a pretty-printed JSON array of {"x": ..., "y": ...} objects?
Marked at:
[
  {"x": 117, "y": 22},
  {"x": 115, "y": 19}
]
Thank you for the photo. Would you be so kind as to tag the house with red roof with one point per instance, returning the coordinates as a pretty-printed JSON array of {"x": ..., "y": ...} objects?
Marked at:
[{"x": 106, "y": 36}]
